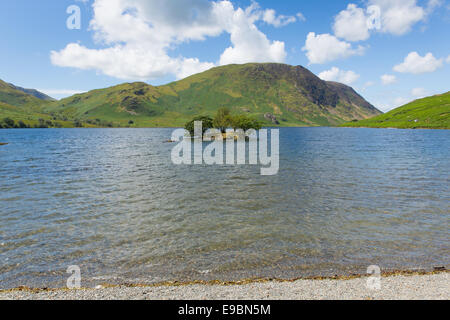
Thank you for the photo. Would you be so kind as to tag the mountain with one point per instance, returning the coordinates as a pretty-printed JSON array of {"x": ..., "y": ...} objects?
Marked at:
[
  {"x": 33, "y": 92},
  {"x": 274, "y": 93},
  {"x": 26, "y": 99},
  {"x": 22, "y": 104},
  {"x": 428, "y": 113}
]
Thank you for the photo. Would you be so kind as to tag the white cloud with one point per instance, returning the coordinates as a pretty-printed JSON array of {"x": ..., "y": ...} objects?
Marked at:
[
  {"x": 138, "y": 34},
  {"x": 335, "y": 74},
  {"x": 248, "y": 43},
  {"x": 396, "y": 17},
  {"x": 368, "y": 84},
  {"x": 301, "y": 17},
  {"x": 416, "y": 64},
  {"x": 191, "y": 66},
  {"x": 419, "y": 92},
  {"x": 270, "y": 17},
  {"x": 387, "y": 79},
  {"x": 433, "y": 4},
  {"x": 399, "y": 16},
  {"x": 400, "y": 101},
  {"x": 324, "y": 48},
  {"x": 351, "y": 24},
  {"x": 448, "y": 59}
]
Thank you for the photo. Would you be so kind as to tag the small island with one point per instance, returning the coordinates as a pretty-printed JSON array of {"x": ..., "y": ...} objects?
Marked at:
[{"x": 224, "y": 120}]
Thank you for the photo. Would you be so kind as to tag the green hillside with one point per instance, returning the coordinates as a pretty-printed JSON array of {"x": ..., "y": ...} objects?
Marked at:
[
  {"x": 25, "y": 108},
  {"x": 33, "y": 92},
  {"x": 17, "y": 97},
  {"x": 428, "y": 113},
  {"x": 276, "y": 94}
]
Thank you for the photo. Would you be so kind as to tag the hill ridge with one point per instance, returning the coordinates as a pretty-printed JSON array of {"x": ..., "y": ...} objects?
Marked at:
[
  {"x": 431, "y": 112},
  {"x": 33, "y": 92},
  {"x": 270, "y": 92}
]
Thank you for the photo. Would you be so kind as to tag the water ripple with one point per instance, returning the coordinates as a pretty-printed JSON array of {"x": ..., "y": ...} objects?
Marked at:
[{"x": 110, "y": 201}]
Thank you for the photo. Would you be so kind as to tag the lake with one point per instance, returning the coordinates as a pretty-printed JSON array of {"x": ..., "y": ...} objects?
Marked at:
[{"x": 112, "y": 202}]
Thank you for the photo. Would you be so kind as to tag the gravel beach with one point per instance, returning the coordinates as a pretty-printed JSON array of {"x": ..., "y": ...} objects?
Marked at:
[{"x": 409, "y": 287}]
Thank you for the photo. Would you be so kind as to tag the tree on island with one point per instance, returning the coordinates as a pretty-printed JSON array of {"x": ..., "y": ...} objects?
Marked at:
[
  {"x": 245, "y": 123},
  {"x": 224, "y": 120},
  {"x": 207, "y": 123}
]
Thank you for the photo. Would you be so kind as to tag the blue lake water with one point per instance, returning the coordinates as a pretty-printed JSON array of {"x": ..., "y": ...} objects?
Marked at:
[{"x": 112, "y": 202}]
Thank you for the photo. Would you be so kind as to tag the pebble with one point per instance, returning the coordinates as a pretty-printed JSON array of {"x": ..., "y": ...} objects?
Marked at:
[{"x": 415, "y": 287}]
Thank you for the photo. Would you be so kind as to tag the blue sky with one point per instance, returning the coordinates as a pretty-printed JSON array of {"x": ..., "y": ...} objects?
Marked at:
[{"x": 390, "y": 51}]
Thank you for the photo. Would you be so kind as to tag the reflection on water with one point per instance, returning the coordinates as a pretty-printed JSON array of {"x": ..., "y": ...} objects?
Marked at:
[{"x": 111, "y": 201}]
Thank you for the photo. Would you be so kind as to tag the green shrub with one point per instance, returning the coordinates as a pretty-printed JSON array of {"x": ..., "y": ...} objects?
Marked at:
[
  {"x": 22, "y": 125},
  {"x": 223, "y": 119},
  {"x": 207, "y": 123},
  {"x": 245, "y": 123},
  {"x": 8, "y": 123}
]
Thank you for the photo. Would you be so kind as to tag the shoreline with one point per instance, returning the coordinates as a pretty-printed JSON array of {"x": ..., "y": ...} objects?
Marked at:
[
  {"x": 267, "y": 127},
  {"x": 385, "y": 274},
  {"x": 391, "y": 128},
  {"x": 433, "y": 285}
]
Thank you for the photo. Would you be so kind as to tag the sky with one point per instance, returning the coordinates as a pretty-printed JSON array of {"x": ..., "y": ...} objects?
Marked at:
[{"x": 389, "y": 51}]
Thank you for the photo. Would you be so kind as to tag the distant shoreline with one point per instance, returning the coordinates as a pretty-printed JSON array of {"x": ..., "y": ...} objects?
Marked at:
[
  {"x": 274, "y": 127},
  {"x": 393, "y": 128}
]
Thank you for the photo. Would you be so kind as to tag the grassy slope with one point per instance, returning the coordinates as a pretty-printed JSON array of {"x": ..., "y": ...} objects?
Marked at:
[
  {"x": 293, "y": 94},
  {"x": 432, "y": 113},
  {"x": 29, "y": 118},
  {"x": 33, "y": 92},
  {"x": 21, "y": 106},
  {"x": 17, "y": 98}
]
